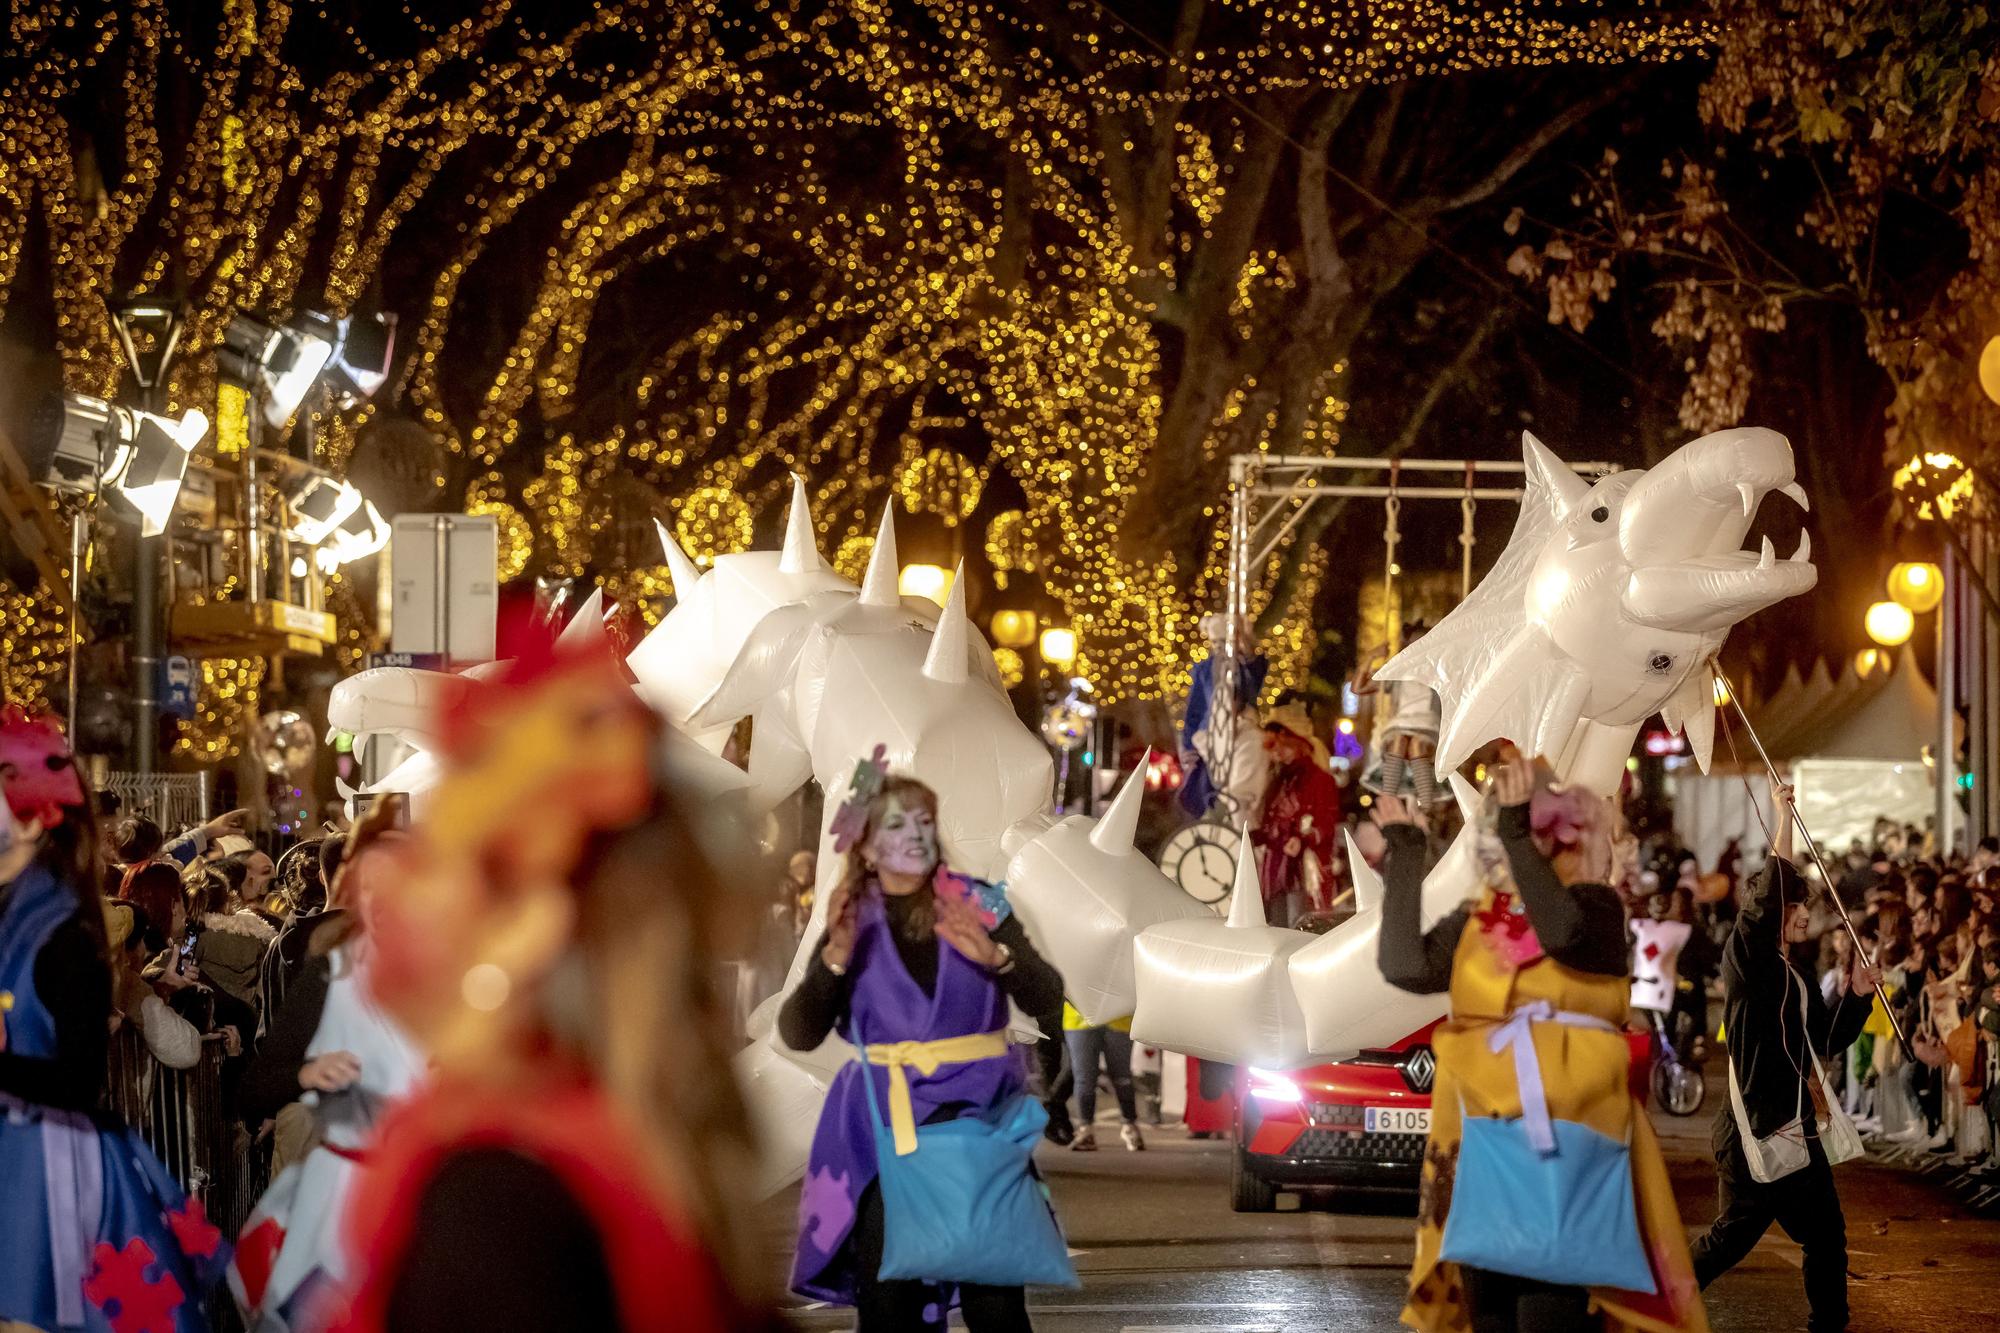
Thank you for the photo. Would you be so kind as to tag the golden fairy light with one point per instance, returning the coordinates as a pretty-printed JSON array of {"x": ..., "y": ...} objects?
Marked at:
[{"x": 990, "y": 293}]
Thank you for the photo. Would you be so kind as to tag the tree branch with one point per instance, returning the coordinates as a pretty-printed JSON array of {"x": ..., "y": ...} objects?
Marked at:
[{"x": 1524, "y": 152}]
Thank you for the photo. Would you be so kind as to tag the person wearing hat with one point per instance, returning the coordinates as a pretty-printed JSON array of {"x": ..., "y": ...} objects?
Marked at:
[{"x": 1295, "y": 832}]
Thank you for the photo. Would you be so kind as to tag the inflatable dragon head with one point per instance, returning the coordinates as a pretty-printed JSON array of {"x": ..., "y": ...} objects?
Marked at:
[{"x": 1608, "y": 605}]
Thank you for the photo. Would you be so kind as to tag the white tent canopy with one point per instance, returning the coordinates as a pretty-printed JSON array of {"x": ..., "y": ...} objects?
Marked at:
[{"x": 1854, "y": 749}]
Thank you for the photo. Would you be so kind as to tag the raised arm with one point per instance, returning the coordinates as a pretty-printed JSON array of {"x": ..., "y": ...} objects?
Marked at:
[{"x": 1411, "y": 958}]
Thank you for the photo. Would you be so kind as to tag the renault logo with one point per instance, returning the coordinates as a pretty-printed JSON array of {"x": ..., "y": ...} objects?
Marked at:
[{"x": 1419, "y": 1069}]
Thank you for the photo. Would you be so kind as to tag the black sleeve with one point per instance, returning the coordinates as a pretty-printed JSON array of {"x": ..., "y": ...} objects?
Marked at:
[
  {"x": 1580, "y": 926},
  {"x": 1033, "y": 982},
  {"x": 1412, "y": 958},
  {"x": 1835, "y": 1027},
  {"x": 814, "y": 1008},
  {"x": 271, "y": 1082},
  {"x": 71, "y": 980},
  {"x": 499, "y": 1245}
]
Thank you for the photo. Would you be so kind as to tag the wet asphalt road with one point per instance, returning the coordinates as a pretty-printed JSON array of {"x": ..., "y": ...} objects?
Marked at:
[{"x": 1160, "y": 1250}]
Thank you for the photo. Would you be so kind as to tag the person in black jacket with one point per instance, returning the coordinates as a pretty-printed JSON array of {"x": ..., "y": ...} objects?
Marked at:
[{"x": 1775, "y": 1021}]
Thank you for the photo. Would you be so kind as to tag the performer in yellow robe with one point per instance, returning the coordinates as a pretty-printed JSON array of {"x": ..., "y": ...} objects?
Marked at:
[{"x": 1542, "y": 956}]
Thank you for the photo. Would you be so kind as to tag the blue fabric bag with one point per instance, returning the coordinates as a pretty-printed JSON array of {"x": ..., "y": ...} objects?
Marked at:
[
  {"x": 965, "y": 1207},
  {"x": 1570, "y": 1217}
]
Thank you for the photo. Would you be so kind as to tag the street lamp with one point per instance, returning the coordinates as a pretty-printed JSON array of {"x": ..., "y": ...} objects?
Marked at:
[
  {"x": 1917, "y": 584},
  {"x": 929, "y": 581},
  {"x": 1890, "y": 623},
  {"x": 1013, "y": 629}
]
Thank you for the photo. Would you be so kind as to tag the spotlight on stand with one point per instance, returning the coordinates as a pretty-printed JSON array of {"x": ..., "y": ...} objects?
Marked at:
[
  {"x": 362, "y": 533},
  {"x": 281, "y": 360},
  {"x": 83, "y": 445}
]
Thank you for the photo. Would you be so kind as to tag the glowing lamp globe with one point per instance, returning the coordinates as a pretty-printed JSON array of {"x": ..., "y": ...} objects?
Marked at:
[
  {"x": 1059, "y": 647},
  {"x": 928, "y": 581},
  {"x": 1890, "y": 623},
  {"x": 1013, "y": 629},
  {"x": 1917, "y": 584},
  {"x": 1868, "y": 661}
]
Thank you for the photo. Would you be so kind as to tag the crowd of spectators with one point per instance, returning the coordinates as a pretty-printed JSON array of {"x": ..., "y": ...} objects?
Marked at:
[
  {"x": 208, "y": 934},
  {"x": 1931, "y": 925}
]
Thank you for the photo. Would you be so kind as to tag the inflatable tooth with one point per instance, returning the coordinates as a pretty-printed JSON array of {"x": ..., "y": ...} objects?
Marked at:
[
  {"x": 1607, "y": 605},
  {"x": 1348, "y": 1004},
  {"x": 1084, "y": 891},
  {"x": 1222, "y": 990}
]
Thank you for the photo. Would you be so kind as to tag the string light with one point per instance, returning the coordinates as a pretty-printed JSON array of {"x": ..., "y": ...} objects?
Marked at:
[{"x": 974, "y": 312}]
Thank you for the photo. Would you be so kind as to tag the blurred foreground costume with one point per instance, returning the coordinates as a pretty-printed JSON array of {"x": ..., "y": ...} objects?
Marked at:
[
  {"x": 94, "y": 1234},
  {"x": 549, "y": 945}
]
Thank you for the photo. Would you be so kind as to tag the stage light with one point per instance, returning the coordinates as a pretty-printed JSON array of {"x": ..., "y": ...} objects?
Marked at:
[
  {"x": 1890, "y": 623},
  {"x": 81, "y": 445},
  {"x": 362, "y": 355},
  {"x": 362, "y": 533},
  {"x": 316, "y": 505},
  {"x": 280, "y": 360}
]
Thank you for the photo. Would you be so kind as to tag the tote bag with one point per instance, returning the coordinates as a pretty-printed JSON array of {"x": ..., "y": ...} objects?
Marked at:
[
  {"x": 1569, "y": 1217},
  {"x": 965, "y": 1207}
]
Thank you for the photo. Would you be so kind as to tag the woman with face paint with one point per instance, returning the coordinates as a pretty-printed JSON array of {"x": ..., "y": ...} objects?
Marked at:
[{"x": 914, "y": 961}]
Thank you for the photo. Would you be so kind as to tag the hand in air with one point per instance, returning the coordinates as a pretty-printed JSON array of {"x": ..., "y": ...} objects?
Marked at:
[{"x": 1514, "y": 779}]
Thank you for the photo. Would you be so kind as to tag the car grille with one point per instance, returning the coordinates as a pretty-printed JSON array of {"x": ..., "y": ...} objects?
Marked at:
[{"x": 1346, "y": 1145}]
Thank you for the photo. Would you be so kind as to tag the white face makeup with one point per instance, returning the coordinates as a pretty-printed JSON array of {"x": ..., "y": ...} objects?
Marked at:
[{"x": 905, "y": 840}]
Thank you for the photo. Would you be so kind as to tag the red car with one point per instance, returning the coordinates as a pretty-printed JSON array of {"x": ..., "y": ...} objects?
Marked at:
[{"x": 1356, "y": 1123}]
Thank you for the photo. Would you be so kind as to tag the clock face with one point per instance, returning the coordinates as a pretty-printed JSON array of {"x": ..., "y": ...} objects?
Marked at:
[{"x": 1202, "y": 860}]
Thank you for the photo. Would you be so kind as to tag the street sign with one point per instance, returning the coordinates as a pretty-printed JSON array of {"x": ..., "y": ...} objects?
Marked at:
[
  {"x": 415, "y": 661},
  {"x": 177, "y": 687}
]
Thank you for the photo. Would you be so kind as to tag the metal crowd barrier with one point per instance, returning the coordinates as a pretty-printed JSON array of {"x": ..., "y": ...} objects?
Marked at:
[
  {"x": 181, "y": 1115},
  {"x": 174, "y": 800}
]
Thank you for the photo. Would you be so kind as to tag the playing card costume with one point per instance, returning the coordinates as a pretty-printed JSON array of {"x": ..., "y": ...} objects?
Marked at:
[
  {"x": 1544, "y": 1191},
  {"x": 94, "y": 1234}
]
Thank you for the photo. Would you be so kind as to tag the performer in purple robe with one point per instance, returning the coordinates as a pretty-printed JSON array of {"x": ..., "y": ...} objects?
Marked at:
[{"x": 912, "y": 954}]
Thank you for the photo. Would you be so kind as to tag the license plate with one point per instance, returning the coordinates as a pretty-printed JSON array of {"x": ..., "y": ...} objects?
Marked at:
[{"x": 1396, "y": 1119}]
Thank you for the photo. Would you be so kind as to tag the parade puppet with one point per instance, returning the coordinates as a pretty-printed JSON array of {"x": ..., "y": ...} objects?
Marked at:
[
  {"x": 1406, "y": 737},
  {"x": 97, "y": 1235}
]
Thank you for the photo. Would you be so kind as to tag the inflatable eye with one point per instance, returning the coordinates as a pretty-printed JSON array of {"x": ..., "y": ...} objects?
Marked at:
[{"x": 1599, "y": 514}]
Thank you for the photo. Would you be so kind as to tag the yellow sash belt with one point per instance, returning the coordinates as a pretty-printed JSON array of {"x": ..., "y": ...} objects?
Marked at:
[{"x": 925, "y": 1057}]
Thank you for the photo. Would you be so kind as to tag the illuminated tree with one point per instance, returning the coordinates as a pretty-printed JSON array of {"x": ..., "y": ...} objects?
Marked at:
[{"x": 652, "y": 259}]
